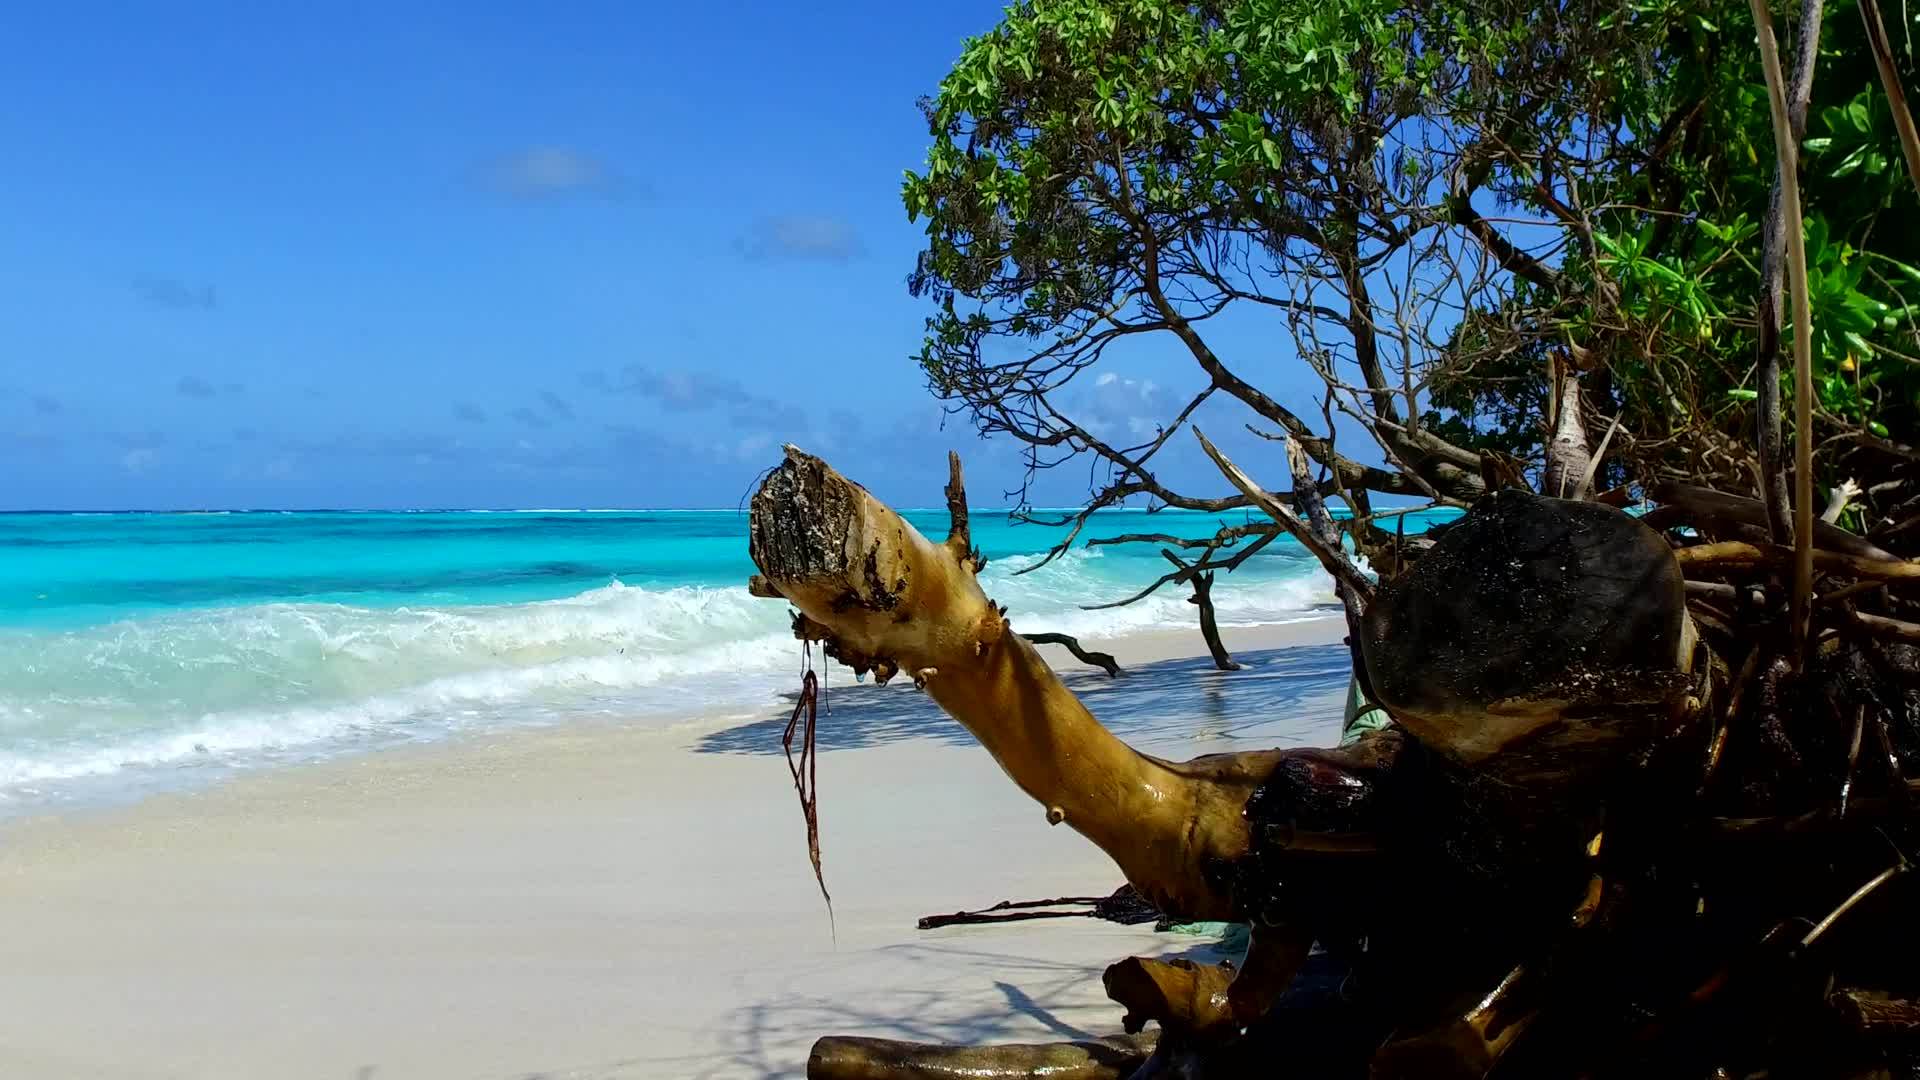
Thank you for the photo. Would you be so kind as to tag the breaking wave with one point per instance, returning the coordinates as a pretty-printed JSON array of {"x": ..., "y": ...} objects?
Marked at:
[{"x": 237, "y": 687}]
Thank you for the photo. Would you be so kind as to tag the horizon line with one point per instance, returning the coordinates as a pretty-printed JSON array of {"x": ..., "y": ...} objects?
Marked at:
[{"x": 217, "y": 510}]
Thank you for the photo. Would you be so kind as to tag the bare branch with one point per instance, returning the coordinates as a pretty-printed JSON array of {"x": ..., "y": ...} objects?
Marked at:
[
  {"x": 1085, "y": 656},
  {"x": 1226, "y": 537},
  {"x": 1203, "y": 599},
  {"x": 1333, "y": 558},
  {"x": 1203, "y": 566}
]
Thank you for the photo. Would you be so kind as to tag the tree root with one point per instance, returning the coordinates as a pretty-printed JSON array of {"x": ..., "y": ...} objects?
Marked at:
[
  {"x": 1548, "y": 681},
  {"x": 1713, "y": 558},
  {"x": 1178, "y": 994},
  {"x": 1708, "y": 507}
]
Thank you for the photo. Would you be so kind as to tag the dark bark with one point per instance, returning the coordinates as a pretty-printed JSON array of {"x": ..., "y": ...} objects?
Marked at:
[
  {"x": 1533, "y": 615},
  {"x": 1203, "y": 597},
  {"x": 1101, "y": 660}
]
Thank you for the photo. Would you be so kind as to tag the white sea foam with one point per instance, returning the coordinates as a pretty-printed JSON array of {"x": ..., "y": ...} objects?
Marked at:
[{"x": 240, "y": 686}]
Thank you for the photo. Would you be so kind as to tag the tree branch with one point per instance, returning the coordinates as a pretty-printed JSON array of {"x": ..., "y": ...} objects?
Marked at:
[
  {"x": 1085, "y": 656},
  {"x": 1334, "y": 558}
]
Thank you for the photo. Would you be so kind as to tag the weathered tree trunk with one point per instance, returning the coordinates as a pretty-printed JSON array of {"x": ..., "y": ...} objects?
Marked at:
[
  {"x": 1538, "y": 645},
  {"x": 1568, "y": 456},
  {"x": 884, "y": 598}
]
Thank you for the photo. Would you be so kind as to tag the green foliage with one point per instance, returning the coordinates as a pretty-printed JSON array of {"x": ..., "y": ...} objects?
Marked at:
[
  {"x": 1676, "y": 231},
  {"x": 1101, "y": 168}
]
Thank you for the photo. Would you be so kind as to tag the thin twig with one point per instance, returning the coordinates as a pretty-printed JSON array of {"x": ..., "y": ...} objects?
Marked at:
[
  {"x": 1853, "y": 757},
  {"x": 1228, "y": 564},
  {"x": 1820, "y": 928}
]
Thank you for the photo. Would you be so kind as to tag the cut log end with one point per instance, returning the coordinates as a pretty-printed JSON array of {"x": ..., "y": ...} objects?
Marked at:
[
  {"x": 860, "y": 574},
  {"x": 1531, "y": 612},
  {"x": 801, "y": 518}
]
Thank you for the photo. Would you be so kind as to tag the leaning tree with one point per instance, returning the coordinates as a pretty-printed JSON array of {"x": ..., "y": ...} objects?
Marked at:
[{"x": 1644, "y": 807}]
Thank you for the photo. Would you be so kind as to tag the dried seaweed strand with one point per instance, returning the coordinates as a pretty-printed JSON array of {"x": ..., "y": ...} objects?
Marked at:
[{"x": 806, "y": 778}]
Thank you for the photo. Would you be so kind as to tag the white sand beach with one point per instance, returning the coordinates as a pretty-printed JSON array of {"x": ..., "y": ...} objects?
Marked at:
[{"x": 590, "y": 902}]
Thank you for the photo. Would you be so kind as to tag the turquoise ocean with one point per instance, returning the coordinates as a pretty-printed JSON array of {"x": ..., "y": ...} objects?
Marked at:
[{"x": 145, "y": 651}]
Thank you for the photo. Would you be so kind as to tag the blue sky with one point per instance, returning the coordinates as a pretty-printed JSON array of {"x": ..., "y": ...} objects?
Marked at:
[{"x": 473, "y": 255}]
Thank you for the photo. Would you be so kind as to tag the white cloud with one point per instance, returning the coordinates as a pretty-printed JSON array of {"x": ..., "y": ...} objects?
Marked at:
[
  {"x": 548, "y": 172},
  {"x": 802, "y": 236},
  {"x": 137, "y": 460},
  {"x": 1117, "y": 403}
]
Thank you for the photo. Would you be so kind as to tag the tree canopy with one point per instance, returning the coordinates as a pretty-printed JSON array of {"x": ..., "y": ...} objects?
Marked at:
[{"x": 1471, "y": 223}]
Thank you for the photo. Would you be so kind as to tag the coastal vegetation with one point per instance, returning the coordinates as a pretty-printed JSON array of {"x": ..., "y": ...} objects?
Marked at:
[{"x": 1645, "y": 807}]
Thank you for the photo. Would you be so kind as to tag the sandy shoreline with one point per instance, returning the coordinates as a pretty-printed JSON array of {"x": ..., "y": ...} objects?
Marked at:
[{"x": 576, "y": 903}]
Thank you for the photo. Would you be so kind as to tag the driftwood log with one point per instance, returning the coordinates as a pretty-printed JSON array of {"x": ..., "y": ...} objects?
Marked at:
[
  {"x": 1609, "y": 835},
  {"x": 854, "y": 1058}
]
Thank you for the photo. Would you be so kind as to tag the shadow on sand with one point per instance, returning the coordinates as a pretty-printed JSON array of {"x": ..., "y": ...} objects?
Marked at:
[
  {"x": 1280, "y": 697},
  {"x": 1178, "y": 708},
  {"x": 768, "y": 1034}
]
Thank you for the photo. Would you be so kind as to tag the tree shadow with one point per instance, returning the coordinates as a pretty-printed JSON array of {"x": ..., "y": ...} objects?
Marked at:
[
  {"x": 1290, "y": 696},
  {"x": 1029, "y": 1001},
  {"x": 1280, "y": 697},
  {"x": 1019, "y": 998}
]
